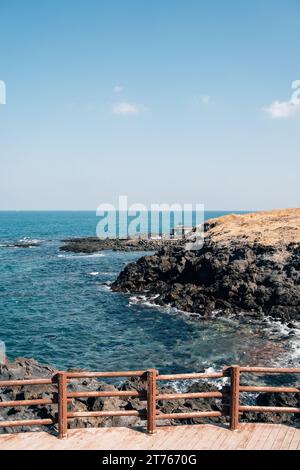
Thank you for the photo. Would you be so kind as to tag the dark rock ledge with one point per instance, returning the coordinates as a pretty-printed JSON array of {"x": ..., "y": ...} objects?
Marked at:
[
  {"x": 21, "y": 244},
  {"x": 249, "y": 265},
  {"x": 94, "y": 244},
  {"x": 29, "y": 368}
]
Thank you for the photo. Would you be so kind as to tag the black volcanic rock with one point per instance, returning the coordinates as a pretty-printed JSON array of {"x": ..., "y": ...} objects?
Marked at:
[
  {"x": 94, "y": 244},
  {"x": 29, "y": 368},
  {"x": 291, "y": 400},
  {"x": 249, "y": 264},
  {"x": 21, "y": 244}
]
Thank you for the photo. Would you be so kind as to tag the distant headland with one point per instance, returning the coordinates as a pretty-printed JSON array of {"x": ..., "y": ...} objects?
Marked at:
[{"x": 248, "y": 265}]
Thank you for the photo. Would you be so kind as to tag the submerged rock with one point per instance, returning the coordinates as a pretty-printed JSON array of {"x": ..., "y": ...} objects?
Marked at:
[
  {"x": 249, "y": 265},
  {"x": 21, "y": 244}
]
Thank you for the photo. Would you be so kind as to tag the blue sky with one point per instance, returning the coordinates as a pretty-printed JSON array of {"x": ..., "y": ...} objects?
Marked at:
[{"x": 162, "y": 101}]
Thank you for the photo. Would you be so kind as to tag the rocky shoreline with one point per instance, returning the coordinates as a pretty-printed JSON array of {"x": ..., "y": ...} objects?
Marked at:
[
  {"x": 28, "y": 368},
  {"x": 21, "y": 244},
  {"x": 249, "y": 265},
  {"x": 94, "y": 244}
]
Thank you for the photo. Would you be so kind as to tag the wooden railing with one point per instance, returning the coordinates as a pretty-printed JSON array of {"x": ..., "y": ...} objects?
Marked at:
[
  {"x": 237, "y": 389},
  {"x": 152, "y": 376}
]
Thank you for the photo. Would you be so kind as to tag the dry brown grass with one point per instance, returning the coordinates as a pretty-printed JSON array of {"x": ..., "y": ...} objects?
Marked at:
[{"x": 276, "y": 227}]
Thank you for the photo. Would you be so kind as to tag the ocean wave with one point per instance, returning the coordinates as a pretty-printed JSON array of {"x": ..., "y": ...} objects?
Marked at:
[
  {"x": 149, "y": 301},
  {"x": 102, "y": 273},
  {"x": 92, "y": 255},
  {"x": 181, "y": 386},
  {"x": 33, "y": 241},
  {"x": 143, "y": 300},
  {"x": 25, "y": 241}
]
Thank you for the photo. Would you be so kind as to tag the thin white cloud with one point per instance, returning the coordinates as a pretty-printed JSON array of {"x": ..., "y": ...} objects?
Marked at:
[
  {"x": 126, "y": 109},
  {"x": 282, "y": 109},
  {"x": 286, "y": 109},
  {"x": 118, "y": 89},
  {"x": 198, "y": 100},
  {"x": 2, "y": 92},
  {"x": 205, "y": 99}
]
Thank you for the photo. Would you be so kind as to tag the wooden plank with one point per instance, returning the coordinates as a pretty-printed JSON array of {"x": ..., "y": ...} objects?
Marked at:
[
  {"x": 104, "y": 440},
  {"x": 270, "y": 409},
  {"x": 249, "y": 436},
  {"x": 270, "y": 389},
  {"x": 195, "y": 414},
  {"x": 268, "y": 430},
  {"x": 169, "y": 438},
  {"x": 271, "y": 370},
  {"x": 62, "y": 405},
  {"x": 43, "y": 401},
  {"x": 277, "y": 443},
  {"x": 109, "y": 393},
  {"x": 288, "y": 438},
  {"x": 205, "y": 434},
  {"x": 257, "y": 437},
  {"x": 234, "y": 438},
  {"x": 20, "y": 383},
  {"x": 98, "y": 414},
  {"x": 151, "y": 400},
  {"x": 26, "y": 422},
  {"x": 295, "y": 440},
  {"x": 183, "y": 440},
  {"x": 131, "y": 439},
  {"x": 267, "y": 445},
  {"x": 234, "y": 397},
  {"x": 245, "y": 435},
  {"x": 180, "y": 396},
  {"x": 132, "y": 373},
  {"x": 202, "y": 375},
  {"x": 217, "y": 443}
]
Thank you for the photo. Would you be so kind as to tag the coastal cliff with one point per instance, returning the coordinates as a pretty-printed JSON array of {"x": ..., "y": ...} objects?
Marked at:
[{"x": 249, "y": 265}]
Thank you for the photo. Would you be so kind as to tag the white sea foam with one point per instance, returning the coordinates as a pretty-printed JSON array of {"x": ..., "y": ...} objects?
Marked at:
[
  {"x": 93, "y": 255},
  {"x": 33, "y": 241},
  {"x": 143, "y": 300},
  {"x": 181, "y": 386},
  {"x": 149, "y": 301},
  {"x": 103, "y": 273}
]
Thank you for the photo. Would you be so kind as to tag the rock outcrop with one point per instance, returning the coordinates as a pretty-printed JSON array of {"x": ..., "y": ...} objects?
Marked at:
[
  {"x": 249, "y": 265},
  {"x": 94, "y": 244},
  {"x": 21, "y": 244}
]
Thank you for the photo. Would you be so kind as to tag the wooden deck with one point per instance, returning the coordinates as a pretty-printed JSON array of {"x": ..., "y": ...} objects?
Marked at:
[{"x": 196, "y": 437}]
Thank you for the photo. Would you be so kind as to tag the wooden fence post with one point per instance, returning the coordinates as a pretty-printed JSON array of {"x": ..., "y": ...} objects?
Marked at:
[
  {"x": 62, "y": 405},
  {"x": 234, "y": 397},
  {"x": 151, "y": 400}
]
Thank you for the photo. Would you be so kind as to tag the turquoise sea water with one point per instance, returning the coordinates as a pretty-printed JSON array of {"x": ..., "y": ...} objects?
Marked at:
[{"x": 57, "y": 308}]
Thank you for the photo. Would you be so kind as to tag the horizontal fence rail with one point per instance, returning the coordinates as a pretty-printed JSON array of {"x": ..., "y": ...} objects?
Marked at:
[
  {"x": 237, "y": 389},
  {"x": 63, "y": 397}
]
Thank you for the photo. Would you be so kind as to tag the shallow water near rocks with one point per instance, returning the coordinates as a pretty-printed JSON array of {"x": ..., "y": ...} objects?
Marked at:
[{"x": 57, "y": 308}]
